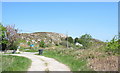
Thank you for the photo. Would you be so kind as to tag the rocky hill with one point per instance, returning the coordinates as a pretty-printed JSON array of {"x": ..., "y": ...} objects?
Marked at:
[{"x": 48, "y": 37}]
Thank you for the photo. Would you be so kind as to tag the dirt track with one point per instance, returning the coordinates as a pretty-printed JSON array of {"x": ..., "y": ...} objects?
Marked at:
[{"x": 41, "y": 63}]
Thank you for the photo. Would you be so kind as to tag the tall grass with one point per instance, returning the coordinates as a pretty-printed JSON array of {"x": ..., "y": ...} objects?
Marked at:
[{"x": 15, "y": 63}]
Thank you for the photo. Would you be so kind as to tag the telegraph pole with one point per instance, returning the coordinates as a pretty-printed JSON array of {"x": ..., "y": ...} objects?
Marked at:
[{"x": 67, "y": 39}]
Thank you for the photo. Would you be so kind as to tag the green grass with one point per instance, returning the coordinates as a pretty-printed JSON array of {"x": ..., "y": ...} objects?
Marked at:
[
  {"x": 12, "y": 53},
  {"x": 32, "y": 50},
  {"x": 15, "y": 63},
  {"x": 0, "y": 63},
  {"x": 28, "y": 50},
  {"x": 70, "y": 61}
]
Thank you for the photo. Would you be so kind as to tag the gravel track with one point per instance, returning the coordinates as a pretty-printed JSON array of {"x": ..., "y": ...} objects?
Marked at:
[{"x": 41, "y": 63}]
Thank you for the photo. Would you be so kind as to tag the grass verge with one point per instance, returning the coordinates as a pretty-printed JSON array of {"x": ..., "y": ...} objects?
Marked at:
[
  {"x": 15, "y": 63},
  {"x": 29, "y": 50}
]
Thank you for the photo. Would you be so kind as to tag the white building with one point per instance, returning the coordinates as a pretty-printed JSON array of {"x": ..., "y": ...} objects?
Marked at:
[{"x": 78, "y": 44}]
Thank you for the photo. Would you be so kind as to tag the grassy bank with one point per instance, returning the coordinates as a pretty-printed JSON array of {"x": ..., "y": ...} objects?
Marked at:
[
  {"x": 68, "y": 59},
  {"x": 15, "y": 63},
  {"x": 28, "y": 50}
]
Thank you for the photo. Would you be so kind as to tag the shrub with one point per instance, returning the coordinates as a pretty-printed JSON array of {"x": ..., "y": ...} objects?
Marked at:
[
  {"x": 113, "y": 45},
  {"x": 28, "y": 43},
  {"x": 42, "y": 44}
]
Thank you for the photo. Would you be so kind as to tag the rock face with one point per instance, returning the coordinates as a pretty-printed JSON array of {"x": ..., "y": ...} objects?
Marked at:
[{"x": 47, "y": 37}]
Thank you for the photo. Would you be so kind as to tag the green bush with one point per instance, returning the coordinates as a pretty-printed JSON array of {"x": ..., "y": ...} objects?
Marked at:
[
  {"x": 113, "y": 46},
  {"x": 28, "y": 43},
  {"x": 42, "y": 44}
]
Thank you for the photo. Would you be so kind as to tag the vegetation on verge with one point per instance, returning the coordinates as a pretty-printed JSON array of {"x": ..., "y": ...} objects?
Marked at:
[
  {"x": 15, "y": 63},
  {"x": 113, "y": 46}
]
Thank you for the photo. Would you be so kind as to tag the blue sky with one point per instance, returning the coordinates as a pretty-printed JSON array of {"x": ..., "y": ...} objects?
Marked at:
[
  {"x": 60, "y": 0},
  {"x": 100, "y": 19},
  {"x": 0, "y": 11}
]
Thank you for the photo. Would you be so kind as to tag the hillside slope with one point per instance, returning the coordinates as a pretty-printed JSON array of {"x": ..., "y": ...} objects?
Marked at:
[{"x": 50, "y": 38}]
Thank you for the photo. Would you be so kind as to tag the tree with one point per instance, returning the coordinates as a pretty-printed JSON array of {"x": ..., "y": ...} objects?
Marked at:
[
  {"x": 9, "y": 37},
  {"x": 70, "y": 39},
  {"x": 3, "y": 40},
  {"x": 76, "y": 40},
  {"x": 12, "y": 36},
  {"x": 85, "y": 40},
  {"x": 2, "y": 33}
]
